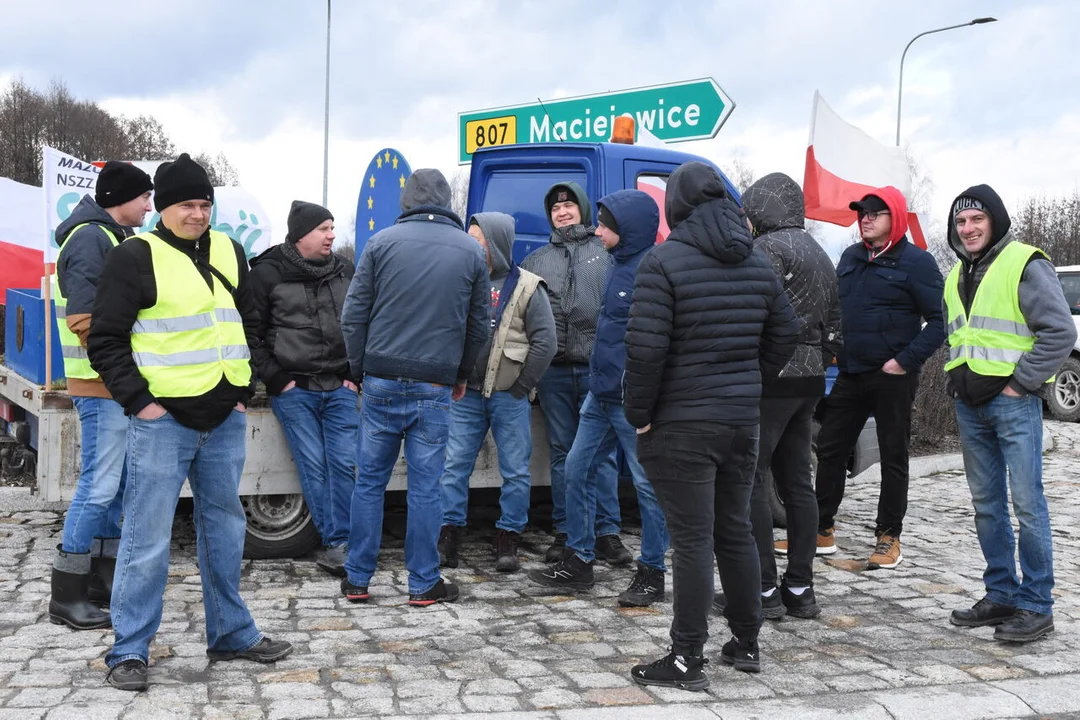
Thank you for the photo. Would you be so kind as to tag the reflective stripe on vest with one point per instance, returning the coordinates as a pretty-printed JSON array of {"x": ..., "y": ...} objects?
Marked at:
[
  {"x": 192, "y": 335},
  {"x": 993, "y": 336},
  {"x": 76, "y": 363}
]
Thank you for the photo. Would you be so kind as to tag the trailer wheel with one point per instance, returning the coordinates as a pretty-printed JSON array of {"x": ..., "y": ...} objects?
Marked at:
[{"x": 278, "y": 526}]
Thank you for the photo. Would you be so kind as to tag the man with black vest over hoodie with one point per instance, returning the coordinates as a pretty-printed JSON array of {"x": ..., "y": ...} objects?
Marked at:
[
  {"x": 299, "y": 288},
  {"x": 520, "y": 347},
  {"x": 174, "y": 323},
  {"x": 415, "y": 321},
  {"x": 888, "y": 288},
  {"x": 1010, "y": 328},
  {"x": 709, "y": 320},
  {"x": 574, "y": 267}
]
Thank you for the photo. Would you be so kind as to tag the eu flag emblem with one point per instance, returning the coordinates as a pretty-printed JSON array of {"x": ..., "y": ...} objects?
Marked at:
[{"x": 379, "y": 204}]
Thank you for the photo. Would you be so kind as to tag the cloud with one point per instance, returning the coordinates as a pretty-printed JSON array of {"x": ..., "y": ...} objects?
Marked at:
[{"x": 987, "y": 103}]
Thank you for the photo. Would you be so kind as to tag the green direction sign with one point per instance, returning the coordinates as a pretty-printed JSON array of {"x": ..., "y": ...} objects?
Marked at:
[{"x": 690, "y": 110}]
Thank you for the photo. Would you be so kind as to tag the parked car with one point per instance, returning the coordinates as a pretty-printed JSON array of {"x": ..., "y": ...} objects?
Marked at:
[{"x": 1064, "y": 401}]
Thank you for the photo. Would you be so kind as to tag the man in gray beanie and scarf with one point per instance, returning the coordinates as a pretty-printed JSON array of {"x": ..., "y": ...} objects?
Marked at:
[{"x": 299, "y": 288}]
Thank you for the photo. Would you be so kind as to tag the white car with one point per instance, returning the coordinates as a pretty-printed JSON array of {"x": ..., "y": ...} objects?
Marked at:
[{"x": 1064, "y": 401}]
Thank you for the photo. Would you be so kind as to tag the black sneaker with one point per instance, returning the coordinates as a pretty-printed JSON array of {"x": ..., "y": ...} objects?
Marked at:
[
  {"x": 983, "y": 613},
  {"x": 570, "y": 573},
  {"x": 772, "y": 607},
  {"x": 128, "y": 675},
  {"x": 264, "y": 651},
  {"x": 506, "y": 545},
  {"x": 743, "y": 654},
  {"x": 354, "y": 593},
  {"x": 557, "y": 549},
  {"x": 685, "y": 672},
  {"x": 800, "y": 606},
  {"x": 611, "y": 550},
  {"x": 1025, "y": 626},
  {"x": 441, "y": 592},
  {"x": 449, "y": 546},
  {"x": 646, "y": 587}
]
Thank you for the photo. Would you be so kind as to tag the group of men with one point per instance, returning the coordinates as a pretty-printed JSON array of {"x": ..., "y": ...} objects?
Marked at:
[{"x": 699, "y": 361}]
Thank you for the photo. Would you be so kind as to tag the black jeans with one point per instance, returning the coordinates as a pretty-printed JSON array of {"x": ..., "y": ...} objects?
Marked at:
[
  {"x": 853, "y": 398},
  {"x": 703, "y": 475},
  {"x": 787, "y": 428}
]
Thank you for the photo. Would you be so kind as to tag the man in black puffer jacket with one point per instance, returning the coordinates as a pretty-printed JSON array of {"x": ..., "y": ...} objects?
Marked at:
[
  {"x": 709, "y": 319},
  {"x": 299, "y": 288}
]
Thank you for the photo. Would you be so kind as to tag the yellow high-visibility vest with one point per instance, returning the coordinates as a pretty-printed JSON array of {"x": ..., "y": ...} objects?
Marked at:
[
  {"x": 192, "y": 334},
  {"x": 993, "y": 337},
  {"x": 76, "y": 363}
]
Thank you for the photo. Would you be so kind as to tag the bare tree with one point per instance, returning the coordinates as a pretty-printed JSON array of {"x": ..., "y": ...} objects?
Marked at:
[
  {"x": 459, "y": 193},
  {"x": 30, "y": 120},
  {"x": 740, "y": 174},
  {"x": 219, "y": 169},
  {"x": 1052, "y": 225}
]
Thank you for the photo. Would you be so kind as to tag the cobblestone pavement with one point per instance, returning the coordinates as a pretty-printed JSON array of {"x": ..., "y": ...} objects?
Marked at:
[{"x": 882, "y": 647}]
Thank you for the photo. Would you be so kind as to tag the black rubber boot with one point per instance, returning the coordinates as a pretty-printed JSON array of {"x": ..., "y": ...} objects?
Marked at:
[
  {"x": 70, "y": 603},
  {"x": 102, "y": 567}
]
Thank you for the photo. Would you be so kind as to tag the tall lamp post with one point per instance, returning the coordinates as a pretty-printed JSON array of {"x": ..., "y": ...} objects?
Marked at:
[
  {"x": 326, "y": 118},
  {"x": 900, "y": 91}
]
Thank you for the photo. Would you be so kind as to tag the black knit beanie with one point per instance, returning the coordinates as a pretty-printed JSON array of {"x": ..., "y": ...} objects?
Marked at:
[
  {"x": 180, "y": 180},
  {"x": 305, "y": 217},
  {"x": 607, "y": 219},
  {"x": 119, "y": 182}
]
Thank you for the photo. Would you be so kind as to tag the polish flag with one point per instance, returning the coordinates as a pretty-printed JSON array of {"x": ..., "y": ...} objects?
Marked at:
[
  {"x": 843, "y": 164},
  {"x": 21, "y": 257}
]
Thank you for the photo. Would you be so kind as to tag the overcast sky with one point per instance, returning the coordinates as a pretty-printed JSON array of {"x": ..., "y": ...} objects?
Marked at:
[{"x": 993, "y": 103}]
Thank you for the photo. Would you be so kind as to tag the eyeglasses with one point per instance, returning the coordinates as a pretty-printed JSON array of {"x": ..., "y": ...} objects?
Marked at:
[{"x": 872, "y": 216}]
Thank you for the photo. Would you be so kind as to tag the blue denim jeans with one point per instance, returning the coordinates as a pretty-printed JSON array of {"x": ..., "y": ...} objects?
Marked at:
[
  {"x": 391, "y": 410},
  {"x": 321, "y": 430},
  {"x": 602, "y": 426},
  {"x": 161, "y": 453},
  {"x": 1006, "y": 434},
  {"x": 99, "y": 495},
  {"x": 561, "y": 391},
  {"x": 509, "y": 420}
]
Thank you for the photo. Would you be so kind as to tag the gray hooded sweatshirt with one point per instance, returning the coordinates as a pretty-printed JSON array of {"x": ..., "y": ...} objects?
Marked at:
[{"x": 498, "y": 229}]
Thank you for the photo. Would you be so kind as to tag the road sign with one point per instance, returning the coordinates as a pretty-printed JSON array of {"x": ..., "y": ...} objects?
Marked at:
[{"x": 690, "y": 110}]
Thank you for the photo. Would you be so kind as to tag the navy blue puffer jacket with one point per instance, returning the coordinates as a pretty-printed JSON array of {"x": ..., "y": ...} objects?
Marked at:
[{"x": 638, "y": 219}]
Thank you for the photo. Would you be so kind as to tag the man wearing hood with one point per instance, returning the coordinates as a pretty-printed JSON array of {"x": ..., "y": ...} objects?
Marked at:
[
  {"x": 415, "y": 321},
  {"x": 628, "y": 221},
  {"x": 299, "y": 288},
  {"x": 1010, "y": 328},
  {"x": 709, "y": 320},
  {"x": 774, "y": 205},
  {"x": 86, "y": 558},
  {"x": 888, "y": 289},
  {"x": 574, "y": 267},
  {"x": 519, "y": 350}
]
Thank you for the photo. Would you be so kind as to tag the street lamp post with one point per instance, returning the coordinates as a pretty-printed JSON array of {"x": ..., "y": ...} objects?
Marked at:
[
  {"x": 900, "y": 91},
  {"x": 326, "y": 118}
]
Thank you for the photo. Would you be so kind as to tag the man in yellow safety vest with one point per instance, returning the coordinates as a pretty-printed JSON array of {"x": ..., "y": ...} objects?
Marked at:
[
  {"x": 1009, "y": 330},
  {"x": 82, "y": 572},
  {"x": 174, "y": 320}
]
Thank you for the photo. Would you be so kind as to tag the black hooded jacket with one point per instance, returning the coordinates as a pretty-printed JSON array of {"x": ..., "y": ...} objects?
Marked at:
[
  {"x": 776, "y": 208},
  {"x": 709, "y": 316},
  {"x": 299, "y": 323}
]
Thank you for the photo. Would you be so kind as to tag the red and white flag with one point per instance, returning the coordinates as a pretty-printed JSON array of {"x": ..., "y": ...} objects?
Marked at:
[{"x": 843, "y": 164}]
